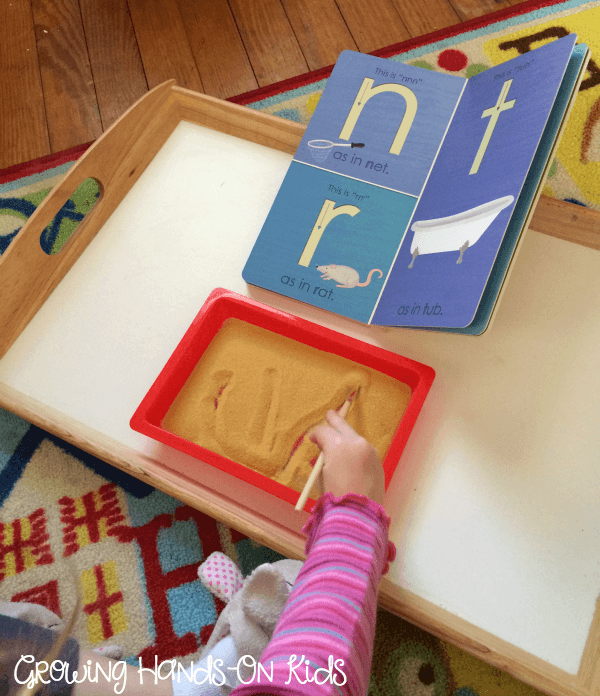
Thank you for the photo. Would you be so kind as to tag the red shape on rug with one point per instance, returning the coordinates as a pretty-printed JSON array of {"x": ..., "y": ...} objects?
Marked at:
[
  {"x": 235, "y": 537},
  {"x": 109, "y": 511},
  {"x": 36, "y": 542},
  {"x": 103, "y": 602},
  {"x": 168, "y": 644},
  {"x": 453, "y": 60},
  {"x": 46, "y": 595}
]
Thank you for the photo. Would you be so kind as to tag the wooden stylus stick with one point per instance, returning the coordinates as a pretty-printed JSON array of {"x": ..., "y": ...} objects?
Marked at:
[{"x": 343, "y": 412}]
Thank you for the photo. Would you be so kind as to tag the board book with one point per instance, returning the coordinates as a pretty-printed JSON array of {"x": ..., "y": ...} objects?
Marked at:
[
  {"x": 179, "y": 147},
  {"x": 407, "y": 196}
]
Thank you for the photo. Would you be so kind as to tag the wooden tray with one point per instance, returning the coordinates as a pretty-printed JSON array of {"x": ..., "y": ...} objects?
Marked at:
[{"x": 494, "y": 505}]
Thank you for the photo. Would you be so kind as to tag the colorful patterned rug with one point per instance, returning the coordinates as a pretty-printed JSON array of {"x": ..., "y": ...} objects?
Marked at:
[{"x": 70, "y": 523}]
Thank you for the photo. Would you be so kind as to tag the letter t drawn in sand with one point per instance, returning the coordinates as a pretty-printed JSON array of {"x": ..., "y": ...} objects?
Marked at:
[{"x": 493, "y": 113}]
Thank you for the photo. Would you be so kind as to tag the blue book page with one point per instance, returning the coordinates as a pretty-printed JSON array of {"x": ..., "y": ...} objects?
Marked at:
[
  {"x": 329, "y": 241},
  {"x": 446, "y": 257},
  {"x": 341, "y": 213},
  {"x": 395, "y": 115}
]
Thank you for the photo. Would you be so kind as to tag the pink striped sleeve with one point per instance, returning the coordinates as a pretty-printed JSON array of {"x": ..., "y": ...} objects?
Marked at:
[{"x": 323, "y": 642}]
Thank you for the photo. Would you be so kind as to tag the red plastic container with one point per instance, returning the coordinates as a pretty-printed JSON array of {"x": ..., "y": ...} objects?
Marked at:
[{"x": 224, "y": 304}]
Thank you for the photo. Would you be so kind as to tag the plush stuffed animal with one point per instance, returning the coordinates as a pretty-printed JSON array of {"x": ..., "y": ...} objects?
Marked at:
[{"x": 254, "y": 604}]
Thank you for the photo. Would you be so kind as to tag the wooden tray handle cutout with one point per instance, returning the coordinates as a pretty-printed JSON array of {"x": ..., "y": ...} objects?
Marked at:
[
  {"x": 71, "y": 216},
  {"x": 31, "y": 268}
]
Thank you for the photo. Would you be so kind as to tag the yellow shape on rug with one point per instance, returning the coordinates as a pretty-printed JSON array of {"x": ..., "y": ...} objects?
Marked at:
[{"x": 103, "y": 602}]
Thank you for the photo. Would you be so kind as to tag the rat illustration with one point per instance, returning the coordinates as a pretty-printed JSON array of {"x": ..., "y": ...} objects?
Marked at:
[{"x": 344, "y": 276}]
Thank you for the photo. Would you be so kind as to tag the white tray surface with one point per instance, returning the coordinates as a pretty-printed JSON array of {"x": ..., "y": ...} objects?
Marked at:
[{"x": 494, "y": 505}]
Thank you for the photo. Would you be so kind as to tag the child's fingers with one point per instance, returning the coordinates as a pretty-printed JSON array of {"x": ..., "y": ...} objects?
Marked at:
[
  {"x": 336, "y": 421},
  {"x": 325, "y": 437},
  {"x": 334, "y": 433}
]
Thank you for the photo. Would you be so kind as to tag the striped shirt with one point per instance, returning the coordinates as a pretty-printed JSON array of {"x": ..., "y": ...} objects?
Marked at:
[{"x": 323, "y": 641}]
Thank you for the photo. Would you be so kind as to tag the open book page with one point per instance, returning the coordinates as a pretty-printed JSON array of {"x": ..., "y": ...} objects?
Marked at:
[
  {"x": 340, "y": 215},
  {"x": 444, "y": 262},
  {"x": 525, "y": 206}
]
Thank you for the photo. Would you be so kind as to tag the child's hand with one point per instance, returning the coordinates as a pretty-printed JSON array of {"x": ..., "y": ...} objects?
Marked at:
[{"x": 352, "y": 464}]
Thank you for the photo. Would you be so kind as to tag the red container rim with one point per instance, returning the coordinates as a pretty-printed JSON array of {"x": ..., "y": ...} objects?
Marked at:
[{"x": 224, "y": 304}]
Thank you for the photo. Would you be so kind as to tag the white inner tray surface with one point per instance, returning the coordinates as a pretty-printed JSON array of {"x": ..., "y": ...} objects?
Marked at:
[{"x": 494, "y": 504}]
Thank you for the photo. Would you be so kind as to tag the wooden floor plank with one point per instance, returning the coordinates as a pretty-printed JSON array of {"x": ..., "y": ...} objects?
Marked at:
[
  {"x": 23, "y": 132},
  {"x": 470, "y": 9},
  {"x": 218, "y": 49},
  {"x": 95, "y": 66},
  {"x": 69, "y": 94},
  {"x": 114, "y": 57},
  {"x": 373, "y": 25},
  {"x": 270, "y": 42},
  {"x": 320, "y": 30},
  {"x": 163, "y": 43},
  {"x": 429, "y": 15}
]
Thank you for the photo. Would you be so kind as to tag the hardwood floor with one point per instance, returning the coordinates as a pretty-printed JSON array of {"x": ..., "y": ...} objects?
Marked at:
[{"x": 69, "y": 68}]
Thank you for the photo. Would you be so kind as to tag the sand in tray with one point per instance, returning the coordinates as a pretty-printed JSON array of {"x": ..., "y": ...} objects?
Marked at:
[{"x": 254, "y": 396}]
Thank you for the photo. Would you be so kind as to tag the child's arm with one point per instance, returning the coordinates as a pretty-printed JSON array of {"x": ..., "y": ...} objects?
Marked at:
[{"x": 329, "y": 618}]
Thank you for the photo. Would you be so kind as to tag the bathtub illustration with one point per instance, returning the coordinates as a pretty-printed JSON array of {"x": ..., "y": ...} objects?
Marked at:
[{"x": 456, "y": 232}]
